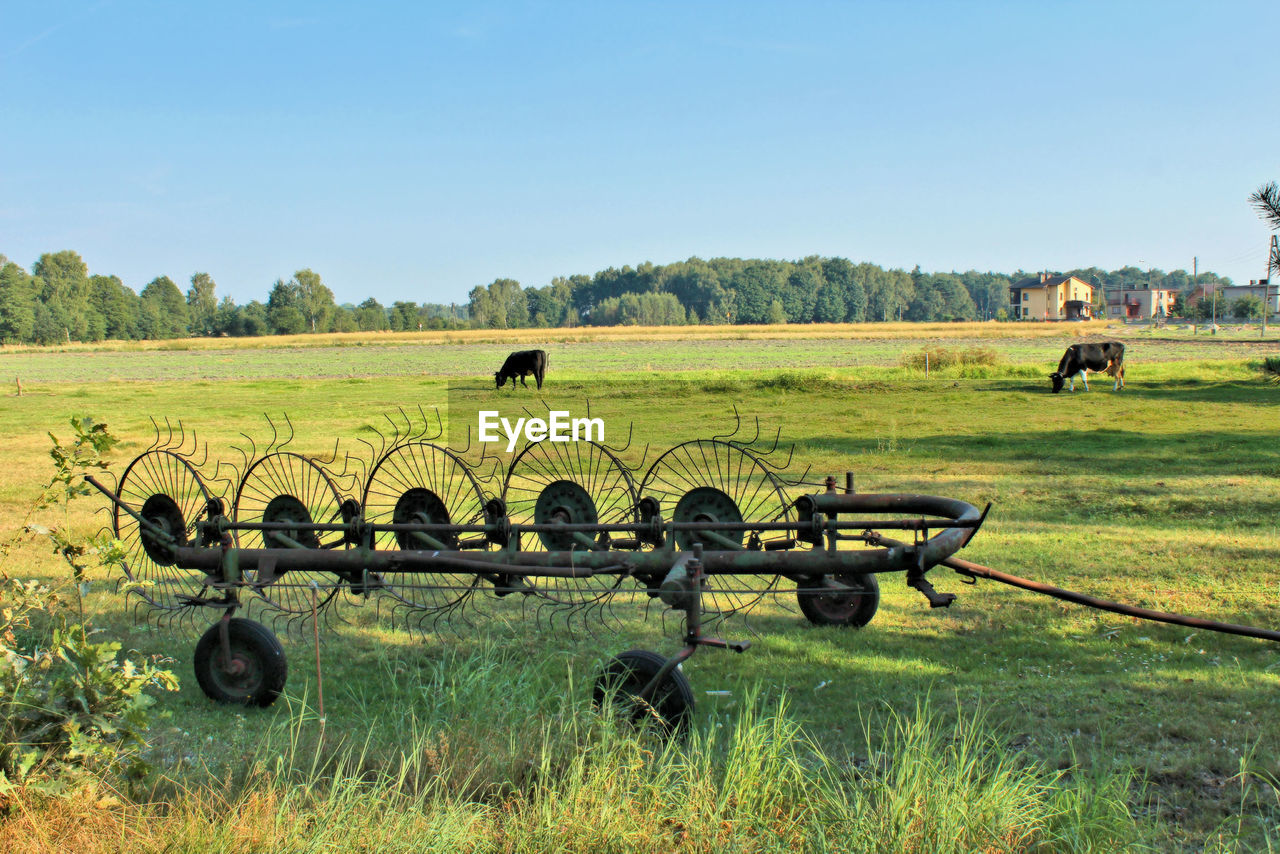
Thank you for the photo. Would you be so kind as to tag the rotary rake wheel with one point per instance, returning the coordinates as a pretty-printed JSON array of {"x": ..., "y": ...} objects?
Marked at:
[
  {"x": 168, "y": 496},
  {"x": 579, "y": 483},
  {"x": 284, "y": 488},
  {"x": 713, "y": 480},
  {"x": 423, "y": 483},
  {"x": 708, "y": 533}
]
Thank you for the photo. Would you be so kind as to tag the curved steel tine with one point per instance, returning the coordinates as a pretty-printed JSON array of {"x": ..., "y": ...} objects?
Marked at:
[
  {"x": 271, "y": 446},
  {"x": 421, "y": 429},
  {"x": 631, "y": 426},
  {"x": 288, "y": 424},
  {"x": 777, "y": 437},
  {"x": 737, "y": 425},
  {"x": 422, "y": 419},
  {"x": 355, "y": 468},
  {"x": 439, "y": 424},
  {"x": 155, "y": 433},
  {"x": 413, "y": 430},
  {"x": 374, "y": 454},
  {"x": 491, "y": 475},
  {"x": 333, "y": 464},
  {"x": 790, "y": 453},
  {"x": 408, "y": 425},
  {"x": 800, "y": 481},
  {"x": 219, "y": 477},
  {"x": 169, "y": 427},
  {"x": 319, "y": 460},
  {"x": 252, "y": 452},
  {"x": 395, "y": 430},
  {"x": 195, "y": 446},
  {"x": 751, "y": 441},
  {"x": 644, "y": 457}
]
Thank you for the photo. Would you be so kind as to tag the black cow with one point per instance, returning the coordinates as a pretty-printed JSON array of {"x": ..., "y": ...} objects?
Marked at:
[
  {"x": 520, "y": 364},
  {"x": 1105, "y": 356}
]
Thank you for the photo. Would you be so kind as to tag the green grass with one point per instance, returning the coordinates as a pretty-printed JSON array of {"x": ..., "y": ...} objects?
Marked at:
[
  {"x": 1163, "y": 495},
  {"x": 563, "y": 778}
]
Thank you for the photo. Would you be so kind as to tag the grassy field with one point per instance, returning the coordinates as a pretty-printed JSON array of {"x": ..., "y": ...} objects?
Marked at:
[{"x": 1163, "y": 495}]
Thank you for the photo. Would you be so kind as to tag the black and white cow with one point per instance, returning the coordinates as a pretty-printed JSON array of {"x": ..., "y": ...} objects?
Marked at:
[
  {"x": 1105, "y": 356},
  {"x": 520, "y": 364}
]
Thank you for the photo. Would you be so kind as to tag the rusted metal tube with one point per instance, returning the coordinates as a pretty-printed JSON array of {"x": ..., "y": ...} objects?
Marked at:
[
  {"x": 975, "y": 570},
  {"x": 577, "y": 564}
]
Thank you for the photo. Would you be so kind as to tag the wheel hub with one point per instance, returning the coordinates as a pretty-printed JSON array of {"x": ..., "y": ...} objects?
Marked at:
[
  {"x": 568, "y": 503},
  {"x": 705, "y": 504},
  {"x": 424, "y": 507},
  {"x": 163, "y": 512},
  {"x": 240, "y": 675},
  {"x": 289, "y": 510}
]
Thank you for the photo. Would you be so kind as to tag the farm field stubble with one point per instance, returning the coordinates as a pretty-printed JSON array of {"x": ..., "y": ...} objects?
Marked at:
[{"x": 1163, "y": 495}]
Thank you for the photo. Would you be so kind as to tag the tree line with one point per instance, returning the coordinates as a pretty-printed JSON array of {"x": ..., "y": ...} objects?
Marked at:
[
  {"x": 60, "y": 301},
  {"x": 812, "y": 290}
]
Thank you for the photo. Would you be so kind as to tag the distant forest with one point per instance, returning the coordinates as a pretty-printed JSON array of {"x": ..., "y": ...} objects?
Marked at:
[{"x": 58, "y": 301}]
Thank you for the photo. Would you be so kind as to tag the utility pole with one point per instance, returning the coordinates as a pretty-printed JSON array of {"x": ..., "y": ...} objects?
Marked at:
[{"x": 1195, "y": 283}]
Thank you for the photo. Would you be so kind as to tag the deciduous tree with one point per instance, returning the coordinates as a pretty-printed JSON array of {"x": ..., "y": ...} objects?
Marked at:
[
  {"x": 162, "y": 298},
  {"x": 202, "y": 305}
]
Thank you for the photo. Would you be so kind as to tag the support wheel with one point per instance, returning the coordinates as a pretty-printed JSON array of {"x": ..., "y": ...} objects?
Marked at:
[
  {"x": 256, "y": 671},
  {"x": 624, "y": 677},
  {"x": 855, "y": 608}
]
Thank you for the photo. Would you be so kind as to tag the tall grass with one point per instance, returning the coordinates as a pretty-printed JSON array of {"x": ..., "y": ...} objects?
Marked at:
[
  {"x": 941, "y": 358},
  {"x": 752, "y": 780},
  {"x": 1271, "y": 368}
]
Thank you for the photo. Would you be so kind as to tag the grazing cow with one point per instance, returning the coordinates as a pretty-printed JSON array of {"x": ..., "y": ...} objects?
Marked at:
[
  {"x": 1105, "y": 356},
  {"x": 520, "y": 364}
]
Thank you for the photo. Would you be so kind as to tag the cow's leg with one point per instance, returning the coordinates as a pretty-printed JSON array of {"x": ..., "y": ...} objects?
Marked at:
[
  {"x": 522, "y": 382},
  {"x": 538, "y": 377},
  {"x": 1084, "y": 378}
]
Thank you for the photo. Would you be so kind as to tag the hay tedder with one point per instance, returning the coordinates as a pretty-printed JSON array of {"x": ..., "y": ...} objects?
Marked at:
[{"x": 708, "y": 530}]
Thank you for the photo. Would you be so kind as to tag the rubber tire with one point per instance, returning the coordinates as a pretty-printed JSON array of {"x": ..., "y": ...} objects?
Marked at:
[
  {"x": 254, "y": 644},
  {"x": 626, "y": 674},
  {"x": 853, "y": 610}
]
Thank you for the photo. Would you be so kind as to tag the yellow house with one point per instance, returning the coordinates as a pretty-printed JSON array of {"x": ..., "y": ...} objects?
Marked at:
[{"x": 1052, "y": 298}]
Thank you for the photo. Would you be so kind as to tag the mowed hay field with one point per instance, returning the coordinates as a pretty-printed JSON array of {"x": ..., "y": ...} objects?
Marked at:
[{"x": 1163, "y": 495}]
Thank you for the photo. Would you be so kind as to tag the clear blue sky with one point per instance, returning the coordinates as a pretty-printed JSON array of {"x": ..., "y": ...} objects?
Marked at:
[{"x": 415, "y": 150}]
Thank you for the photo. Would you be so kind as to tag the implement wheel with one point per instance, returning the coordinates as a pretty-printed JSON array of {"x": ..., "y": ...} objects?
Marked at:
[
  {"x": 623, "y": 678},
  {"x": 255, "y": 673},
  {"x": 855, "y": 608}
]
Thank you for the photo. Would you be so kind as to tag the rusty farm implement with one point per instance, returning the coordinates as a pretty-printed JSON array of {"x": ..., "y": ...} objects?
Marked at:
[{"x": 708, "y": 530}]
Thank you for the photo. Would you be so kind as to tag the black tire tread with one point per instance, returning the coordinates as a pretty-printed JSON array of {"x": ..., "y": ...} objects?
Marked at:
[
  {"x": 811, "y": 607},
  {"x": 262, "y": 642},
  {"x": 675, "y": 699}
]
